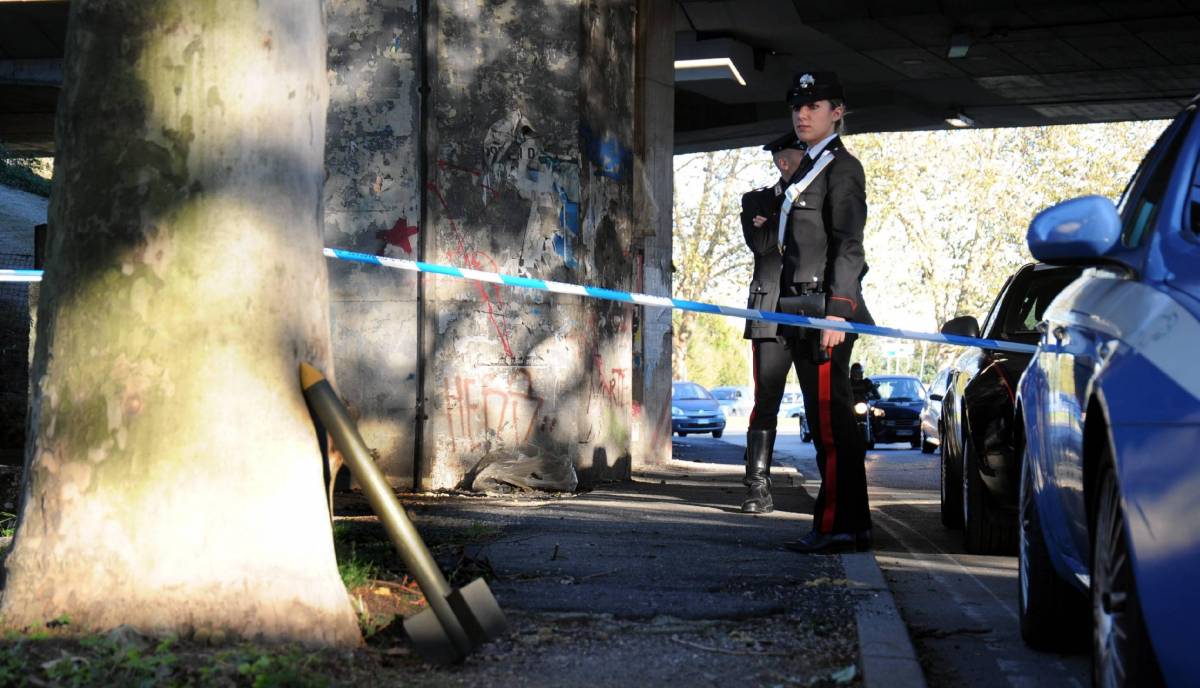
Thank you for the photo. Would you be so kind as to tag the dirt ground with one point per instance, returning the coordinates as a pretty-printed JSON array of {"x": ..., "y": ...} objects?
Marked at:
[{"x": 654, "y": 582}]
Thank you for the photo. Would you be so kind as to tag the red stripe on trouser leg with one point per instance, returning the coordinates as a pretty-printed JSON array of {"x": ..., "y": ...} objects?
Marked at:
[
  {"x": 754, "y": 376},
  {"x": 824, "y": 390}
]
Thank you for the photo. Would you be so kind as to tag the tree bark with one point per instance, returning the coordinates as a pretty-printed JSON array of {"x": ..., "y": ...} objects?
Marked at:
[{"x": 173, "y": 479}]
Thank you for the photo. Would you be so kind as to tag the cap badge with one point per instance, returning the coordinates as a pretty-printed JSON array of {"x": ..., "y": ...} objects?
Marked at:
[{"x": 805, "y": 81}]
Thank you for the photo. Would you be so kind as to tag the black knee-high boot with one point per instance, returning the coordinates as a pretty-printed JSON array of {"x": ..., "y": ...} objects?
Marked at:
[{"x": 760, "y": 444}]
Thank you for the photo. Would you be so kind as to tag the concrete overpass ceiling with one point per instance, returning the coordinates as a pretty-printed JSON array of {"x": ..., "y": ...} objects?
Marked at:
[
  {"x": 32, "y": 37},
  {"x": 1026, "y": 62}
]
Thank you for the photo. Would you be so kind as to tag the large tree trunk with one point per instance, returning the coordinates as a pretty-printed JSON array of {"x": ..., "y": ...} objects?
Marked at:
[{"x": 173, "y": 477}]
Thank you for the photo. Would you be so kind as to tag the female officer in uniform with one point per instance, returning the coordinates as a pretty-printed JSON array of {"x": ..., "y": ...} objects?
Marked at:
[{"x": 818, "y": 234}]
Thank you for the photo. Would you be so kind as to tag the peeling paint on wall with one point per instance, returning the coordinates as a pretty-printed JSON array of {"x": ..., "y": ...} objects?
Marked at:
[
  {"x": 372, "y": 204},
  {"x": 531, "y": 191}
]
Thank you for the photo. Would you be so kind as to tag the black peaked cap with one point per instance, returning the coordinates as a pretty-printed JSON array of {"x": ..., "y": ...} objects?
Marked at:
[
  {"x": 809, "y": 87},
  {"x": 784, "y": 142}
]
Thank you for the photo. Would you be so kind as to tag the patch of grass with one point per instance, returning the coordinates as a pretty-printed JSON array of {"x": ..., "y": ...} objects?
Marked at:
[
  {"x": 98, "y": 661},
  {"x": 363, "y": 552},
  {"x": 14, "y": 668},
  {"x": 272, "y": 671},
  {"x": 19, "y": 173},
  {"x": 355, "y": 571},
  {"x": 7, "y": 523}
]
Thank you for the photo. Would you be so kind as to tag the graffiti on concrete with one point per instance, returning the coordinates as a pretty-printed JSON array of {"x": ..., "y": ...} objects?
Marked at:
[
  {"x": 491, "y": 411},
  {"x": 447, "y": 166},
  {"x": 399, "y": 235},
  {"x": 610, "y": 383},
  {"x": 513, "y": 156},
  {"x": 490, "y": 295},
  {"x": 611, "y": 158}
]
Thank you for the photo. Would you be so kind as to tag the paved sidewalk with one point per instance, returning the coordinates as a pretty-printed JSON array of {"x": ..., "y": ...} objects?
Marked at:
[{"x": 661, "y": 581}]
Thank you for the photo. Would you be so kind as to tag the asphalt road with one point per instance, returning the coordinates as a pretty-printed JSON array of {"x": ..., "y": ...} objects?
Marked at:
[{"x": 961, "y": 609}]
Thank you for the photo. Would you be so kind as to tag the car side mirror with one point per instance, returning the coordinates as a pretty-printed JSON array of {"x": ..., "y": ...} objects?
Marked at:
[
  {"x": 935, "y": 397},
  {"x": 963, "y": 326},
  {"x": 1081, "y": 230}
]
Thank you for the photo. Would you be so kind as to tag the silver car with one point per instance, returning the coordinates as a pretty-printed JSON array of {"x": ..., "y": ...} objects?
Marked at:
[
  {"x": 931, "y": 414},
  {"x": 734, "y": 401}
]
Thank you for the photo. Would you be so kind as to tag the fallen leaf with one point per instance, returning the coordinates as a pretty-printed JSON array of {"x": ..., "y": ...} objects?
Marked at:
[{"x": 844, "y": 676}]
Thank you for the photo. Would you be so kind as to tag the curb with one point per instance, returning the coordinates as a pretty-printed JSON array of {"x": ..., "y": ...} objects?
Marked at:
[{"x": 886, "y": 652}]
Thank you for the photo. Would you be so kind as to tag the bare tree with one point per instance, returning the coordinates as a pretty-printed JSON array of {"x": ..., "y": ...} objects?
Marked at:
[
  {"x": 173, "y": 477},
  {"x": 709, "y": 252},
  {"x": 949, "y": 210}
]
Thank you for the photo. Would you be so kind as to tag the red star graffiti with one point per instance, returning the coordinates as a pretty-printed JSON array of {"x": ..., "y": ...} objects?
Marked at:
[{"x": 399, "y": 234}]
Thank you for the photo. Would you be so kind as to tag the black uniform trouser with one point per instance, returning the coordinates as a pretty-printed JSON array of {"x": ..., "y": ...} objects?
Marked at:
[{"x": 841, "y": 505}]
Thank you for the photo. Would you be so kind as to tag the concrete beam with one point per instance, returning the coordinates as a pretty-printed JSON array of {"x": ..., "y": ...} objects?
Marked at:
[{"x": 46, "y": 72}]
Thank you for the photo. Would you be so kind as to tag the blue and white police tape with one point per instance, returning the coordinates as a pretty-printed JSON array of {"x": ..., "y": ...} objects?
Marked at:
[
  {"x": 639, "y": 299},
  {"x": 681, "y": 304},
  {"x": 20, "y": 275}
]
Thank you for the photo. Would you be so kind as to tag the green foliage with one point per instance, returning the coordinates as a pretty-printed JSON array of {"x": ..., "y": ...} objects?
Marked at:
[
  {"x": 279, "y": 671},
  {"x": 14, "y": 667},
  {"x": 363, "y": 551},
  {"x": 99, "y": 661},
  {"x": 250, "y": 666},
  {"x": 718, "y": 355},
  {"x": 22, "y": 173},
  {"x": 947, "y": 217},
  {"x": 7, "y": 523},
  {"x": 355, "y": 571},
  {"x": 948, "y": 211},
  {"x": 708, "y": 252}
]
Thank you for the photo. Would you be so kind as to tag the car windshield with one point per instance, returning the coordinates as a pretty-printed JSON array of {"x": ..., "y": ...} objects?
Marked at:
[
  {"x": 724, "y": 394},
  {"x": 1024, "y": 315},
  {"x": 900, "y": 389},
  {"x": 689, "y": 390}
]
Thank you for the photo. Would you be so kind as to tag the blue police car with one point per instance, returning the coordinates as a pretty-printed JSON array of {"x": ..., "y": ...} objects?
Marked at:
[{"x": 1109, "y": 410}]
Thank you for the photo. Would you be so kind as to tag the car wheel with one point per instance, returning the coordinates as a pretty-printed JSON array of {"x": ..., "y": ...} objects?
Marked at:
[
  {"x": 927, "y": 447},
  {"x": 805, "y": 434},
  {"x": 986, "y": 530},
  {"x": 1053, "y": 614},
  {"x": 682, "y": 434},
  {"x": 951, "y": 497},
  {"x": 717, "y": 434},
  {"x": 914, "y": 444},
  {"x": 1121, "y": 650}
]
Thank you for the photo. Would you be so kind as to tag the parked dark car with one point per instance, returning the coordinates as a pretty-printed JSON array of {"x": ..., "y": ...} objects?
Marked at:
[
  {"x": 981, "y": 469},
  {"x": 1110, "y": 408},
  {"x": 931, "y": 414},
  {"x": 694, "y": 410},
  {"x": 896, "y": 414}
]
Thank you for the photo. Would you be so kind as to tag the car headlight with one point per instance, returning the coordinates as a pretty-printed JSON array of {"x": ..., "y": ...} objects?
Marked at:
[
  {"x": 860, "y": 408},
  {"x": 676, "y": 411},
  {"x": 878, "y": 412}
]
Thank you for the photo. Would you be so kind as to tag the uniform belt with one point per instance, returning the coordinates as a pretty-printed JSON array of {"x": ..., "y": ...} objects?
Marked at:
[{"x": 800, "y": 289}]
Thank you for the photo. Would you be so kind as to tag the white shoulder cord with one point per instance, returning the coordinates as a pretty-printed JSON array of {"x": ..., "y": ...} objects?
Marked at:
[{"x": 793, "y": 192}]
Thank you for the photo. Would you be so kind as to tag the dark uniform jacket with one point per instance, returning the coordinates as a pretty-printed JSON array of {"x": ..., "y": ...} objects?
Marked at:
[{"x": 823, "y": 245}]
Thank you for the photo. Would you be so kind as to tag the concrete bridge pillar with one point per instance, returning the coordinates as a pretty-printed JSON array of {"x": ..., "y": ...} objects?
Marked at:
[{"x": 537, "y": 160}]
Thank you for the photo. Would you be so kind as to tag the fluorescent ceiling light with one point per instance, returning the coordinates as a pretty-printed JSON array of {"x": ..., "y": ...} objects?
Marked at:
[
  {"x": 707, "y": 68},
  {"x": 959, "y": 44},
  {"x": 960, "y": 121}
]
